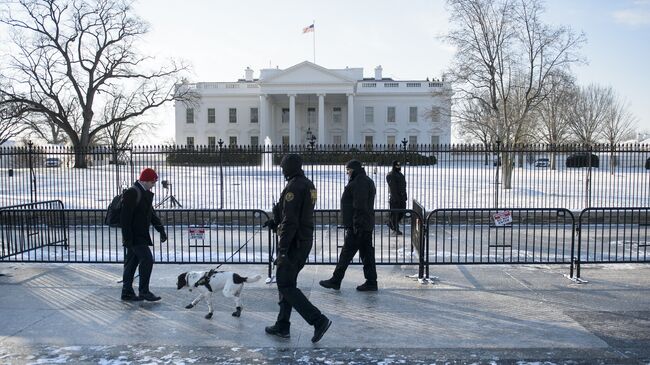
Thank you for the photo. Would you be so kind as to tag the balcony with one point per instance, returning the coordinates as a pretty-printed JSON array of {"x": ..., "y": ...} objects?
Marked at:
[{"x": 402, "y": 86}]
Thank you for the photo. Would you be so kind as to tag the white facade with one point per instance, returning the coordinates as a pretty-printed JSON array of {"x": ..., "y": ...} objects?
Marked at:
[{"x": 335, "y": 106}]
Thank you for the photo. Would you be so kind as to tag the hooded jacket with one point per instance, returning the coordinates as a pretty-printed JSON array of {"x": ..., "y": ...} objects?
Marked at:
[{"x": 358, "y": 200}]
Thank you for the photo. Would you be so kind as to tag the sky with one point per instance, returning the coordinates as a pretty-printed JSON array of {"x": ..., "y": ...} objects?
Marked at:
[{"x": 219, "y": 39}]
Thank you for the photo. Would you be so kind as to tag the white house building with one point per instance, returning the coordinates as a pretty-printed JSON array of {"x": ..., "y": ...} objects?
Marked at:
[{"x": 309, "y": 102}]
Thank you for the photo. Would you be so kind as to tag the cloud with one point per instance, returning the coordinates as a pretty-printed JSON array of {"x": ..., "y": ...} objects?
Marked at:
[{"x": 632, "y": 17}]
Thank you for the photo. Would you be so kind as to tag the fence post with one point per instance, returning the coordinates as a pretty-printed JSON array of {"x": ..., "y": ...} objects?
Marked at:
[
  {"x": 220, "y": 142},
  {"x": 32, "y": 173},
  {"x": 588, "y": 180},
  {"x": 497, "y": 163}
]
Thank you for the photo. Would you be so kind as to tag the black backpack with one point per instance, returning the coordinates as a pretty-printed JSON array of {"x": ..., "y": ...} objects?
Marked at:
[{"x": 114, "y": 210}]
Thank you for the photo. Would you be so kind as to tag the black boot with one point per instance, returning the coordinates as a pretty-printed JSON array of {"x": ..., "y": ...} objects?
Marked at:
[
  {"x": 330, "y": 284},
  {"x": 276, "y": 330},
  {"x": 367, "y": 286},
  {"x": 320, "y": 328}
]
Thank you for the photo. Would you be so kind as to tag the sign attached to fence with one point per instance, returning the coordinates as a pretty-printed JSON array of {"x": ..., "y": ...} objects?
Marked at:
[
  {"x": 197, "y": 233},
  {"x": 502, "y": 218}
]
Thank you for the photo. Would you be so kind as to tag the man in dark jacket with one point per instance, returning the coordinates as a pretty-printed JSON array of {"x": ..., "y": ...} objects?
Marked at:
[
  {"x": 293, "y": 218},
  {"x": 357, "y": 208},
  {"x": 397, "y": 200},
  {"x": 136, "y": 216}
]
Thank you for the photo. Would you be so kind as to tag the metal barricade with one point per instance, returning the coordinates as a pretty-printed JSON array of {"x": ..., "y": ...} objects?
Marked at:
[
  {"x": 33, "y": 230},
  {"x": 613, "y": 235},
  {"x": 500, "y": 236}
]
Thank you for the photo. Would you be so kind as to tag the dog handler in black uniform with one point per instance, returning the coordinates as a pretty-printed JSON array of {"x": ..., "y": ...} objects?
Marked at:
[{"x": 293, "y": 219}]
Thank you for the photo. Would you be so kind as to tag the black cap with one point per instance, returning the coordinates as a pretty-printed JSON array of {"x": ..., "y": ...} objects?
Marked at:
[
  {"x": 353, "y": 164},
  {"x": 395, "y": 163}
]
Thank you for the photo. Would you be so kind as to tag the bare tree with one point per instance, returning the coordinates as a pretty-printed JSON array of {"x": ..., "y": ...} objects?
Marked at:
[
  {"x": 590, "y": 110},
  {"x": 121, "y": 135},
  {"x": 10, "y": 126},
  {"x": 73, "y": 56},
  {"x": 505, "y": 56},
  {"x": 554, "y": 111},
  {"x": 618, "y": 126},
  {"x": 475, "y": 124}
]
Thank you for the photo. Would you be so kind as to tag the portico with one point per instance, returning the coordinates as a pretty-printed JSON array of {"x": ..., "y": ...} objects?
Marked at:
[{"x": 285, "y": 92}]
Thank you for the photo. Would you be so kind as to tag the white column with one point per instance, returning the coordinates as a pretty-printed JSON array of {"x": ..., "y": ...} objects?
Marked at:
[
  {"x": 321, "y": 119},
  {"x": 351, "y": 139},
  {"x": 265, "y": 123},
  {"x": 293, "y": 137}
]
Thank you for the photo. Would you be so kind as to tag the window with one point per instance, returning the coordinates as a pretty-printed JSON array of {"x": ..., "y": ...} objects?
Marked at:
[
  {"x": 368, "y": 141},
  {"x": 336, "y": 139},
  {"x": 336, "y": 115},
  {"x": 370, "y": 114},
  {"x": 413, "y": 114},
  {"x": 255, "y": 140},
  {"x": 232, "y": 115},
  {"x": 390, "y": 114},
  {"x": 413, "y": 142},
  {"x": 390, "y": 140},
  {"x": 189, "y": 115},
  {"x": 285, "y": 115},
  {"x": 435, "y": 140},
  {"x": 212, "y": 142},
  {"x": 190, "y": 142},
  {"x": 285, "y": 140},
  {"x": 211, "y": 116},
  {"x": 435, "y": 114},
  {"x": 254, "y": 115},
  {"x": 311, "y": 116},
  {"x": 232, "y": 140}
]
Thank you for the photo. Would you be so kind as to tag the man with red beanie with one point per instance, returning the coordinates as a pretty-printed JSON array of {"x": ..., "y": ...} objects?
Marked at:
[{"x": 136, "y": 217}]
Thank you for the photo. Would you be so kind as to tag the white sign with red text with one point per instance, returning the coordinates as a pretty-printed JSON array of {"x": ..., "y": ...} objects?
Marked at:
[{"x": 502, "y": 218}]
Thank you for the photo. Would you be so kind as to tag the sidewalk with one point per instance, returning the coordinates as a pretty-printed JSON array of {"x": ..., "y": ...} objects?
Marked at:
[{"x": 71, "y": 313}]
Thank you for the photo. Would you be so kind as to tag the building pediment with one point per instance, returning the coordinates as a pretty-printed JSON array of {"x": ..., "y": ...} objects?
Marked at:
[{"x": 305, "y": 72}]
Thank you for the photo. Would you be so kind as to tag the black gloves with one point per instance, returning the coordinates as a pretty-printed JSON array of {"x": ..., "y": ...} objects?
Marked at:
[
  {"x": 271, "y": 224},
  {"x": 163, "y": 236}
]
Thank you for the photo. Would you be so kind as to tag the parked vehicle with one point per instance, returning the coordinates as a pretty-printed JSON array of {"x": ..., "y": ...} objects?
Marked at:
[
  {"x": 582, "y": 160},
  {"x": 53, "y": 162},
  {"x": 542, "y": 162}
]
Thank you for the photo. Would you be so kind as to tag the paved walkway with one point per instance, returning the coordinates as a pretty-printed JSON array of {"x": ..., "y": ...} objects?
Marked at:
[{"x": 71, "y": 313}]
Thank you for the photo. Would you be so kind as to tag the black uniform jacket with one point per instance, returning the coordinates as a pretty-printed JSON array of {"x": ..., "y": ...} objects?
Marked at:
[
  {"x": 137, "y": 216},
  {"x": 358, "y": 202},
  {"x": 296, "y": 209},
  {"x": 397, "y": 185}
]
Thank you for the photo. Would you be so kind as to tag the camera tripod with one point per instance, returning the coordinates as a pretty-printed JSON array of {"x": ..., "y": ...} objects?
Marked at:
[{"x": 169, "y": 196}]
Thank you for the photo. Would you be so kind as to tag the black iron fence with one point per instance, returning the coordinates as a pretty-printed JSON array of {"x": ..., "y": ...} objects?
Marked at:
[{"x": 239, "y": 177}]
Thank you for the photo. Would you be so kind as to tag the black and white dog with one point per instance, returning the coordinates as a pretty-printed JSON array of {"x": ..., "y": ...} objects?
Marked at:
[{"x": 206, "y": 282}]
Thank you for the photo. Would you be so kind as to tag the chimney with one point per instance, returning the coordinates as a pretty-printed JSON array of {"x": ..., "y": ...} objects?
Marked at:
[
  {"x": 378, "y": 76},
  {"x": 249, "y": 74}
]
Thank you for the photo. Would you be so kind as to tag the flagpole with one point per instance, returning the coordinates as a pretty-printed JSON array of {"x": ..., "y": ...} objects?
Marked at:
[{"x": 314, "y": 39}]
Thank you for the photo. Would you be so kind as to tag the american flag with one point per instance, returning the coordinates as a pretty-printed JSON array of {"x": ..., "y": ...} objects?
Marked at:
[{"x": 308, "y": 29}]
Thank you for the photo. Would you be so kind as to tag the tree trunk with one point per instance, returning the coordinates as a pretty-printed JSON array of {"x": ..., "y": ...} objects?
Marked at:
[{"x": 506, "y": 170}]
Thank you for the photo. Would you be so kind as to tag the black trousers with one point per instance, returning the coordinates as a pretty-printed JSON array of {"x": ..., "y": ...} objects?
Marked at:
[
  {"x": 362, "y": 242},
  {"x": 396, "y": 217},
  {"x": 290, "y": 295},
  {"x": 137, "y": 255}
]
